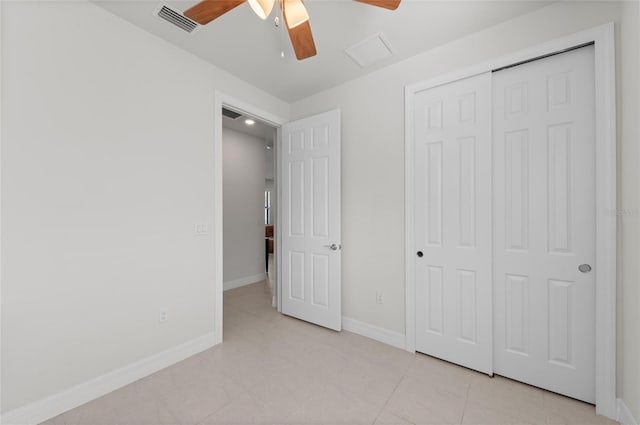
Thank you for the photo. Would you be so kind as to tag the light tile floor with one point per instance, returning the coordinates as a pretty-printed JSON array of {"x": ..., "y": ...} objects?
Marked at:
[{"x": 272, "y": 369}]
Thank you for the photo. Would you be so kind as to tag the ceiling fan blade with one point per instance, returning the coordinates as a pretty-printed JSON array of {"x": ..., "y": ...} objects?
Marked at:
[
  {"x": 297, "y": 21},
  {"x": 208, "y": 10},
  {"x": 302, "y": 41},
  {"x": 387, "y": 4}
]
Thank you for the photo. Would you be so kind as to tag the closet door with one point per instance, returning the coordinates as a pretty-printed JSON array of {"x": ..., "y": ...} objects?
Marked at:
[
  {"x": 452, "y": 163},
  {"x": 545, "y": 223}
]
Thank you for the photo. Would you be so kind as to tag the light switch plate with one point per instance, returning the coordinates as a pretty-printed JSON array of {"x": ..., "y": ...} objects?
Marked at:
[{"x": 202, "y": 229}]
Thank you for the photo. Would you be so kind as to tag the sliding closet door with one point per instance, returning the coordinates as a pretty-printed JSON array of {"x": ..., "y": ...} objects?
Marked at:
[
  {"x": 545, "y": 223},
  {"x": 452, "y": 163}
]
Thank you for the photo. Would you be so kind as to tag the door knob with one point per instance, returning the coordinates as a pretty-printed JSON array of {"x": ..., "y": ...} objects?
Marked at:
[
  {"x": 419, "y": 254},
  {"x": 584, "y": 268},
  {"x": 334, "y": 247}
]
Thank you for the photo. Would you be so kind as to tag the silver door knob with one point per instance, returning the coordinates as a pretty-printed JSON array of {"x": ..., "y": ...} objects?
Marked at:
[
  {"x": 584, "y": 268},
  {"x": 333, "y": 247}
]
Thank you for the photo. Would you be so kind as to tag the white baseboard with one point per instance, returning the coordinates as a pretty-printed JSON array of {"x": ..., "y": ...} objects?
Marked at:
[
  {"x": 386, "y": 336},
  {"x": 624, "y": 414},
  {"x": 52, "y": 406},
  {"x": 237, "y": 283}
]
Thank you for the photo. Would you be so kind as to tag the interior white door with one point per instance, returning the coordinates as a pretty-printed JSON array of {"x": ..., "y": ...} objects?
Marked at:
[
  {"x": 310, "y": 179},
  {"x": 452, "y": 163},
  {"x": 545, "y": 223}
]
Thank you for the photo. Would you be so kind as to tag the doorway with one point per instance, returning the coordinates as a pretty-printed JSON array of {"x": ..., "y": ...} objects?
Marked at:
[
  {"x": 307, "y": 187},
  {"x": 249, "y": 204},
  {"x": 274, "y": 121}
]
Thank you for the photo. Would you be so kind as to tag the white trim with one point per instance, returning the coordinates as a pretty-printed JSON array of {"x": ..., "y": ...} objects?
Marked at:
[
  {"x": 409, "y": 208},
  {"x": 222, "y": 99},
  {"x": 605, "y": 265},
  {"x": 237, "y": 283},
  {"x": 278, "y": 236},
  {"x": 606, "y": 221},
  {"x": 61, "y": 402},
  {"x": 1, "y": 150},
  {"x": 395, "y": 339},
  {"x": 624, "y": 414}
]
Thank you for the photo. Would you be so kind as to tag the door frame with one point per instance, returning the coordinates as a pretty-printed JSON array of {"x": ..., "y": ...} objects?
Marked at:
[
  {"x": 603, "y": 38},
  {"x": 221, "y": 99}
]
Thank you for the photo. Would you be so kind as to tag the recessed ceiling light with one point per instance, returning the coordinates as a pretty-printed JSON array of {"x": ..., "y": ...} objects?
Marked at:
[{"x": 249, "y": 122}]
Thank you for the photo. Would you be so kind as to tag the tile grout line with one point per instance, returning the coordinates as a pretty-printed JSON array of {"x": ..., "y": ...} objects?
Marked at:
[
  {"x": 218, "y": 410},
  {"x": 389, "y": 399},
  {"x": 404, "y": 375},
  {"x": 466, "y": 400}
]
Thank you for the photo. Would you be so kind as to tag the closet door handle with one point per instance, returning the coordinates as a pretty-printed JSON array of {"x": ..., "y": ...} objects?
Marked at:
[{"x": 584, "y": 268}]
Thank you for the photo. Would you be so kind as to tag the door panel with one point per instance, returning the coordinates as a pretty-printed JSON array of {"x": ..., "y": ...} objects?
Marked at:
[
  {"x": 544, "y": 169},
  {"x": 453, "y": 222},
  {"x": 311, "y": 287}
]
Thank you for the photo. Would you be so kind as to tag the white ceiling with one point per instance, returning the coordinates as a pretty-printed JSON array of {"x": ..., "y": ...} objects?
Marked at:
[
  {"x": 259, "y": 129},
  {"x": 248, "y": 47}
]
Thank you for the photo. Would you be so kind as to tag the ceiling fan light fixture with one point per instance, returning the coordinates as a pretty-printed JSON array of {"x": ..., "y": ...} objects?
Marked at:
[
  {"x": 262, "y": 8},
  {"x": 295, "y": 13}
]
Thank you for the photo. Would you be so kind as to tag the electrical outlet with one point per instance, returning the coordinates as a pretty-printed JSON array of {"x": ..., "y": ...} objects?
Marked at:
[
  {"x": 379, "y": 298},
  {"x": 163, "y": 316}
]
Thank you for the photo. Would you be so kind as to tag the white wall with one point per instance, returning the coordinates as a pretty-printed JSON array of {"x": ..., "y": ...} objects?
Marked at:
[
  {"x": 373, "y": 163},
  {"x": 243, "y": 192},
  {"x": 107, "y": 165}
]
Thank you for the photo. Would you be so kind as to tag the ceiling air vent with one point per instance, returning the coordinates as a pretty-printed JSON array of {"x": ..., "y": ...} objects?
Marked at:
[
  {"x": 230, "y": 114},
  {"x": 176, "y": 18},
  {"x": 373, "y": 49}
]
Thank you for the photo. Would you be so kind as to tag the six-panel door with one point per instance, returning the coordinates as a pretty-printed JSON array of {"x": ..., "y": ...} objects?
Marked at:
[
  {"x": 310, "y": 182},
  {"x": 453, "y": 222},
  {"x": 545, "y": 223}
]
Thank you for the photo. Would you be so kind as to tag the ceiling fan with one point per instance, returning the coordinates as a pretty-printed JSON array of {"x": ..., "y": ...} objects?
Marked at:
[{"x": 295, "y": 16}]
